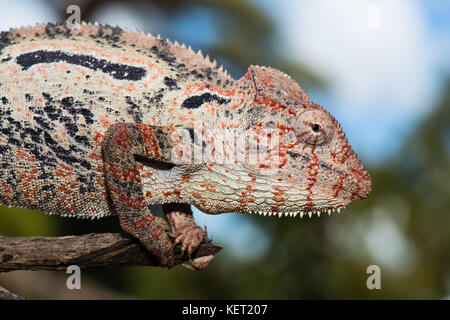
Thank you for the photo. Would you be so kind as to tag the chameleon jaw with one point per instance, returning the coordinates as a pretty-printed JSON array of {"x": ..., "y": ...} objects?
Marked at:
[{"x": 300, "y": 213}]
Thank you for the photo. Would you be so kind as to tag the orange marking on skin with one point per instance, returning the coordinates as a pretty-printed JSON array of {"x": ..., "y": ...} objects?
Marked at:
[
  {"x": 167, "y": 193},
  {"x": 247, "y": 199},
  {"x": 74, "y": 184},
  {"x": 338, "y": 186},
  {"x": 146, "y": 174},
  {"x": 95, "y": 156},
  {"x": 63, "y": 170},
  {"x": 23, "y": 155},
  {"x": 7, "y": 191},
  {"x": 209, "y": 187},
  {"x": 99, "y": 181},
  {"x": 105, "y": 123},
  {"x": 150, "y": 142},
  {"x": 144, "y": 222},
  {"x": 275, "y": 208},
  {"x": 283, "y": 162},
  {"x": 195, "y": 87},
  {"x": 197, "y": 195},
  {"x": 177, "y": 193},
  {"x": 279, "y": 199},
  {"x": 278, "y": 191},
  {"x": 130, "y": 202}
]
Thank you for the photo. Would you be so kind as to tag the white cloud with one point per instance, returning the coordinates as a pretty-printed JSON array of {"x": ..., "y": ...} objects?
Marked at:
[{"x": 25, "y": 13}]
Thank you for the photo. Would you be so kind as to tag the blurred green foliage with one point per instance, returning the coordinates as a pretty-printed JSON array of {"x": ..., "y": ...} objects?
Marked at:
[{"x": 403, "y": 226}]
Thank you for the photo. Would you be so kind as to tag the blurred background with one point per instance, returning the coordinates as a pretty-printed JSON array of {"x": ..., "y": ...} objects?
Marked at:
[{"x": 381, "y": 68}]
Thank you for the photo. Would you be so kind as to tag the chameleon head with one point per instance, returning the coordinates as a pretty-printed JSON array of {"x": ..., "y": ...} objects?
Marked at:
[{"x": 298, "y": 158}]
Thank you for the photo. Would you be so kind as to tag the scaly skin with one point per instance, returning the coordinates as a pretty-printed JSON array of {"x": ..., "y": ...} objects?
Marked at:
[{"x": 98, "y": 121}]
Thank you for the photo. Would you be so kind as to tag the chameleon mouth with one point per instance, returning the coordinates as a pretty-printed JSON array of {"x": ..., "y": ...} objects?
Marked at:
[{"x": 300, "y": 213}]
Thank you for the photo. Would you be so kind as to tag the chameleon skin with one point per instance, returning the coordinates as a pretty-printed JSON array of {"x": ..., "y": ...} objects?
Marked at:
[{"x": 90, "y": 121}]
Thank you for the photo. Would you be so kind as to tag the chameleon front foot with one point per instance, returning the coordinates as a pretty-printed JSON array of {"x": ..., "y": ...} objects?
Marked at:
[
  {"x": 187, "y": 233},
  {"x": 153, "y": 233}
]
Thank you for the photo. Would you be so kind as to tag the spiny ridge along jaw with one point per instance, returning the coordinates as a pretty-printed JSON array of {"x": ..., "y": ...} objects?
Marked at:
[{"x": 310, "y": 213}]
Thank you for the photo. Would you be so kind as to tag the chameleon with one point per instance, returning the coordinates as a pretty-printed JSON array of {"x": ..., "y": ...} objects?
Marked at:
[{"x": 99, "y": 120}]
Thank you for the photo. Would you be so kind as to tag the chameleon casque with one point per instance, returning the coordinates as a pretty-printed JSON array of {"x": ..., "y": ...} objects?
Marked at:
[{"x": 94, "y": 121}]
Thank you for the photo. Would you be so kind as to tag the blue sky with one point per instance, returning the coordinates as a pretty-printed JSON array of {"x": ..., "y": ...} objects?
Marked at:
[{"x": 385, "y": 62}]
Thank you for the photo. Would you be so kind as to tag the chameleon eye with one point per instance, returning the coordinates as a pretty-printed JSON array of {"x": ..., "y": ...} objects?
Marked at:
[{"x": 314, "y": 127}]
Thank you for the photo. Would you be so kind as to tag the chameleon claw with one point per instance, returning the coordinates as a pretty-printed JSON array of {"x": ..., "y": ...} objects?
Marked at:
[{"x": 198, "y": 264}]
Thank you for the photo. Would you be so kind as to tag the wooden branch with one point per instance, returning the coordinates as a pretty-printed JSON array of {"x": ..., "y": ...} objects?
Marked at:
[
  {"x": 7, "y": 295},
  {"x": 94, "y": 250}
]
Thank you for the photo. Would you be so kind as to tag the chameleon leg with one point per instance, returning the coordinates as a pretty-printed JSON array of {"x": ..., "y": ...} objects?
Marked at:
[
  {"x": 186, "y": 232},
  {"x": 122, "y": 142}
]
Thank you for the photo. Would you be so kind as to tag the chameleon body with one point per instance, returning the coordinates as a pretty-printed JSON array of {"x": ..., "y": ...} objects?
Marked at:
[{"x": 97, "y": 120}]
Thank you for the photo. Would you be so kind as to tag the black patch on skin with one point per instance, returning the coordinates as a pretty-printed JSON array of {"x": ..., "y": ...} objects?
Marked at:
[
  {"x": 5, "y": 100},
  {"x": 46, "y": 119},
  {"x": 34, "y": 134},
  {"x": 306, "y": 158},
  {"x": 171, "y": 83},
  {"x": 89, "y": 92},
  {"x": 109, "y": 33},
  {"x": 28, "y": 97},
  {"x": 163, "y": 140},
  {"x": 42, "y": 122},
  {"x": 155, "y": 101},
  {"x": 270, "y": 125},
  {"x": 4, "y": 149},
  {"x": 5, "y": 40},
  {"x": 191, "y": 134},
  {"x": 134, "y": 111},
  {"x": 164, "y": 54},
  {"x": 196, "y": 101},
  {"x": 66, "y": 155},
  {"x": 87, "y": 183},
  {"x": 295, "y": 155},
  {"x": 116, "y": 70},
  {"x": 208, "y": 73},
  {"x": 197, "y": 74},
  {"x": 52, "y": 30},
  {"x": 6, "y": 59}
]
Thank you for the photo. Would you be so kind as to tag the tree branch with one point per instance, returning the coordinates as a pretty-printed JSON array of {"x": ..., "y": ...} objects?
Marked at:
[
  {"x": 94, "y": 250},
  {"x": 7, "y": 295}
]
